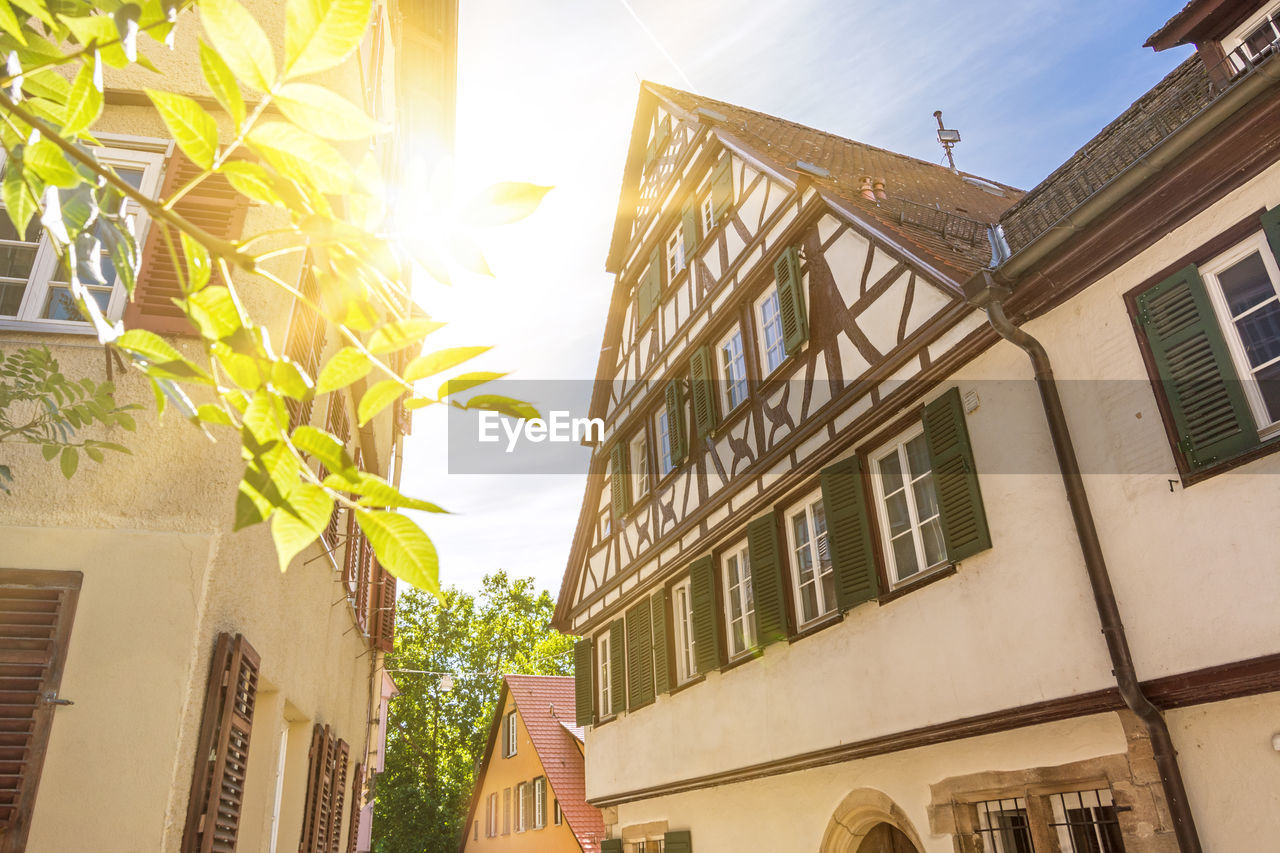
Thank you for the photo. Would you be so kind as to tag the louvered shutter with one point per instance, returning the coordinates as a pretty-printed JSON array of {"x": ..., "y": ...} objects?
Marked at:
[
  {"x": 791, "y": 303},
  {"x": 1271, "y": 227},
  {"x": 214, "y": 206},
  {"x": 677, "y": 841},
  {"x": 338, "y": 789},
  {"x": 526, "y": 805},
  {"x": 305, "y": 343},
  {"x": 506, "y": 811},
  {"x": 706, "y": 615},
  {"x": 618, "y": 486},
  {"x": 384, "y": 594},
  {"x": 649, "y": 290},
  {"x": 639, "y": 655},
  {"x": 702, "y": 388},
  {"x": 1210, "y": 412},
  {"x": 677, "y": 440},
  {"x": 849, "y": 533},
  {"x": 582, "y": 681},
  {"x": 222, "y": 750},
  {"x": 611, "y": 845},
  {"x": 664, "y": 133},
  {"x": 661, "y": 656},
  {"x": 357, "y": 795},
  {"x": 689, "y": 227},
  {"x": 722, "y": 187},
  {"x": 318, "y": 808},
  {"x": 955, "y": 478},
  {"x": 36, "y": 613},
  {"x": 617, "y": 667},
  {"x": 540, "y": 813},
  {"x": 768, "y": 570}
]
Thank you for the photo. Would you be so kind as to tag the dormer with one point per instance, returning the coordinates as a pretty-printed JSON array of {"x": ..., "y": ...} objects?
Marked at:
[{"x": 1231, "y": 36}]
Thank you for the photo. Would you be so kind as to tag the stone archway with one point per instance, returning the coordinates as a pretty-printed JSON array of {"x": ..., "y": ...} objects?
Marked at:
[{"x": 870, "y": 816}]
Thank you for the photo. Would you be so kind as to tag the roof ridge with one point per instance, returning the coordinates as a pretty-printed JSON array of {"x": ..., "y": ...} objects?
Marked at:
[{"x": 828, "y": 134}]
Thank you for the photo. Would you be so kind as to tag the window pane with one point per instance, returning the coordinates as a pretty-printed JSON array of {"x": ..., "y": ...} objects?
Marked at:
[
  {"x": 8, "y": 232},
  {"x": 904, "y": 556},
  {"x": 931, "y": 533},
  {"x": 1246, "y": 284},
  {"x": 891, "y": 472},
  {"x": 16, "y": 261},
  {"x": 1260, "y": 334},
  {"x": 804, "y": 557},
  {"x": 1269, "y": 384},
  {"x": 132, "y": 177},
  {"x": 11, "y": 297},
  {"x": 926, "y": 498},
  {"x": 60, "y": 306},
  {"x": 918, "y": 456},
  {"x": 899, "y": 517}
]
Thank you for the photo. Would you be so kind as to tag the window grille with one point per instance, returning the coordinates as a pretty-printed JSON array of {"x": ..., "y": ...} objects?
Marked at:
[
  {"x": 1003, "y": 826},
  {"x": 1086, "y": 822}
]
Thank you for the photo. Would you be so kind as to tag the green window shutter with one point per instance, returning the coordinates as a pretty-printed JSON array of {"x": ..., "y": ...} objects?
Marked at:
[
  {"x": 722, "y": 187},
  {"x": 639, "y": 655},
  {"x": 1271, "y": 227},
  {"x": 955, "y": 478},
  {"x": 676, "y": 438},
  {"x": 791, "y": 307},
  {"x": 849, "y": 533},
  {"x": 689, "y": 225},
  {"x": 611, "y": 845},
  {"x": 1206, "y": 399},
  {"x": 768, "y": 572},
  {"x": 582, "y": 681},
  {"x": 658, "y": 617},
  {"x": 706, "y": 615},
  {"x": 617, "y": 666},
  {"x": 618, "y": 481},
  {"x": 678, "y": 841},
  {"x": 649, "y": 290},
  {"x": 702, "y": 387},
  {"x": 664, "y": 133}
]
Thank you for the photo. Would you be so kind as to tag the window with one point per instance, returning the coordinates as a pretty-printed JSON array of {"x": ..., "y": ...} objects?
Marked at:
[
  {"x": 511, "y": 734},
  {"x": 772, "y": 349},
  {"x": 662, "y": 429},
  {"x": 603, "y": 679},
  {"x": 907, "y": 504},
  {"x": 733, "y": 370},
  {"x": 1244, "y": 286},
  {"x": 675, "y": 253},
  {"x": 506, "y": 811},
  {"x": 639, "y": 459},
  {"x": 1003, "y": 826},
  {"x": 1080, "y": 822},
  {"x": 35, "y": 287},
  {"x": 522, "y": 807},
  {"x": 491, "y": 817},
  {"x": 1252, "y": 40},
  {"x": 476, "y": 835},
  {"x": 606, "y": 526},
  {"x": 539, "y": 802},
  {"x": 682, "y": 614},
  {"x": 555, "y": 809},
  {"x": 707, "y": 210},
  {"x": 739, "y": 603},
  {"x": 815, "y": 579}
]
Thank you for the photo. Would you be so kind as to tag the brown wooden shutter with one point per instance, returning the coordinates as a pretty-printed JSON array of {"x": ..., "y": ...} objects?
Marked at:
[
  {"x": 768, "y": 568},
  {"x": 384, "y": 617},
  {"x": 357, "y": 792},
  {"x": 305, "y": 343},
  {"x": 318, "y": 807},
  {"x": 338, "y": 791},
  {"x": 37, "y": 609},
  {"x": 214, "y": 206},
  {"x": 849, "y": 533},
  {"x": 222, "y": 751}
]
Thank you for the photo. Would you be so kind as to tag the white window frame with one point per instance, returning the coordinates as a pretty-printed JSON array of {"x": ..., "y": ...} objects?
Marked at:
[
  {"x": 1237, "y": 36},
  {"x": 738, "y": 560},
  {"x": 682, "y": 624},
  {"x": 511, "y": 733},
  {"x": 491, "y": 824},
  {"x": 638, "y": 459},
  {"x": 825, "y": 608},
  {"x": 676, "y": 261},
  {"x": 1209, "y": 274},
  {"x": 779, "y": 349},
  {"x": 557, "y": 813},
  {"x": 539, "y": 814},
  {"x": 731, "y": 384},
  {"x": 521, "y": 817},
  {"x": 707, "y": 214},
  {"x": 46, "y": 260},
  {"x": 899, "y": 446},
  {"x": 604, "y": 689},
  {"x": 662, "y": 433}
]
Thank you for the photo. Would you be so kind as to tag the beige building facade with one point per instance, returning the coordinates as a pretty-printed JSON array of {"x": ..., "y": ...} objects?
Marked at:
[{"x": 836, "y": 590}]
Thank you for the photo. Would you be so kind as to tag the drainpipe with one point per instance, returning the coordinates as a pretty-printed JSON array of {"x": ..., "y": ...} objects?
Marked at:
[{"x": 983, "y": 291}]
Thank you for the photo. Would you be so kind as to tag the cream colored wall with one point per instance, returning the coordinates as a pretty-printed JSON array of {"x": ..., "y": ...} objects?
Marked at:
[{"x": 503, "y": 773}]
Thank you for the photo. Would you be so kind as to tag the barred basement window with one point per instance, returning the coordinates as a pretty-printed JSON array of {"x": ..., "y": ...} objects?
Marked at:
[
  {"x": 1086, "y": 822},
  {"x": 1004, "y": 827}
]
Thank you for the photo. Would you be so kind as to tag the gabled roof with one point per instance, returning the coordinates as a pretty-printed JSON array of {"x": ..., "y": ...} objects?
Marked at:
[
  {"x": 928, "y": 204},
  {"x": 545, "y": 704},
  {"x": 1200, "y": 20}
]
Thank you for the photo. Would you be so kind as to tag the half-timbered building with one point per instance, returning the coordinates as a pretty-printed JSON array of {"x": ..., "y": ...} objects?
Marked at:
[{"x": 855, "y": 571}]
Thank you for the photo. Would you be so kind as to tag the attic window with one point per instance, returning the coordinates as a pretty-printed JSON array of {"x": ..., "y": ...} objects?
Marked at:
[
  {"x": 985, "y": 186},
  {"x": 817, "y": 171},
  {"x": 1253, "y": 40}
]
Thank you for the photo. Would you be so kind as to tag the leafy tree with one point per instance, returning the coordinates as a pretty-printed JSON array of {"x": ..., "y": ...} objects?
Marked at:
[
  {"x": 435, "y": 737},
  {"x": 285, "y": 152}
]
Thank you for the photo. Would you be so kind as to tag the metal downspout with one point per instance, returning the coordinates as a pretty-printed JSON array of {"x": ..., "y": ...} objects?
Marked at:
[{"x": 991, "y": 298}]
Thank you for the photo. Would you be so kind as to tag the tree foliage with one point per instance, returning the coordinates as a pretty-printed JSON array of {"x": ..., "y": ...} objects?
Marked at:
[
  {"x": 435, "y": 737},
  {"x": 284, "y": 152}
]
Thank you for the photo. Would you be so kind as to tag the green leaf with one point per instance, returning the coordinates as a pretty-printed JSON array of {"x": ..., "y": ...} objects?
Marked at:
[
  {"x": 466, "y": 382},
  {"x": 211, "y": 414},
  {"x": 300, "y": 523},
  {"x": 346, "y": 366},
  {"x": 265, "y": 419},
  {"x": 399, "y": 334},
  {"x": 162, "y": 360},
  {"x": 9, "y": 23},
  {"x": 505, "y": 202},
  {"x": 251, "y": 507},
  {"x": 320, "y": 33},
  {"x": 239, "y": 41},
  {"x": 214, "y": 312},
  {"x": 99, "y": 29},
  {"x": 324, "y": 112},
  {"x": 222, "y": 83},
  {"x": 252, "y": 180},
  {"x": 402, "y": 548},
  {"x": 301, "y": 155},
  {"x": 18, "y": 202},
  {"x": 84, "y": 104},
  {"x": 377, "y": 492},
  {"x": 70, "y": 461},
  {"x": 192, "y": 128},
  {"x": 36, "y": 9},
  {"x": 438, "y": 362},
  {"x": 93, "y": 453},
  {"x": 50, "y": 164},
  {"x": 327, "y": 449},
  {"x": 50, "y": 450},
  {"x": 505, "y": 405},
  {"x": 289, "y": 379},
  {"x": 199, "y": 265},
  {"x": 378, "y": 398}
]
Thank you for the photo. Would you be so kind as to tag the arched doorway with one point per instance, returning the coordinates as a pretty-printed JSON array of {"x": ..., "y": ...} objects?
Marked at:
[{"x": 886, "y": 838}]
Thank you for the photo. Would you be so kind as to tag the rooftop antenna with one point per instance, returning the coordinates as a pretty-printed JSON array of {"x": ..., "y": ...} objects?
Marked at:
[{"x": 947, "y": 138}]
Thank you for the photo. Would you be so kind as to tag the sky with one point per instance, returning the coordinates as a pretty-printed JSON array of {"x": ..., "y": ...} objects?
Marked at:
[{"x": 547, "y": 93}]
